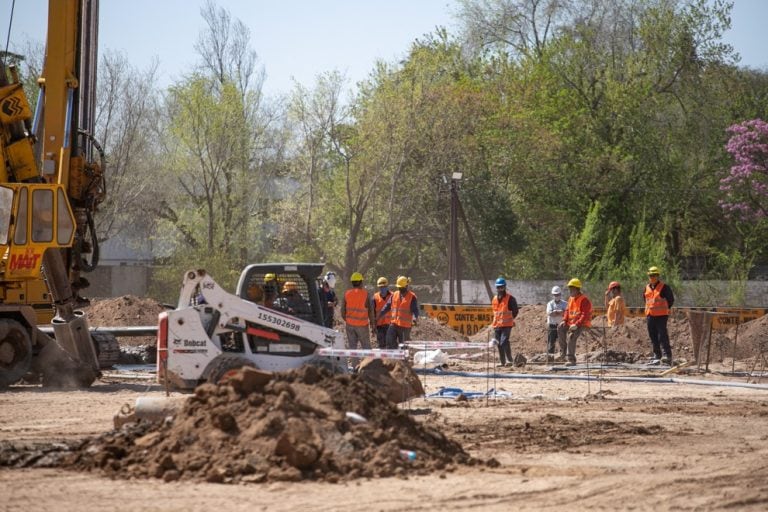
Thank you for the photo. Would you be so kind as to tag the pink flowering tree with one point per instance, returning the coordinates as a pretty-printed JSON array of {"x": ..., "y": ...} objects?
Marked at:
[{"x": 746, "y": 185}]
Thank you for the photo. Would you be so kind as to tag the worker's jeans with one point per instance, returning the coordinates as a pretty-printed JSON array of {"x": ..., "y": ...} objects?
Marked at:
[
  {"x": 357, "y": 335},
  {"x": 567, "y": 340},
  {"x": 397, "y": 335},
  {"x": 657, "y": 331},
  {"x": 551, "y": 338},
  {"x": 505, "y": 345},
  {"x": 381, "y": 335}
]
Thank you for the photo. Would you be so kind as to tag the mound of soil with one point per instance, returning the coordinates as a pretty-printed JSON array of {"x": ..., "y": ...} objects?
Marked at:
[
  {"x": 395, "y": 378},
  {"x": 261, "y": 427},
  {"x": 123, "y": 311},
  {"x": 127, "y": 311},
  {"x": 429, "y": 329}
]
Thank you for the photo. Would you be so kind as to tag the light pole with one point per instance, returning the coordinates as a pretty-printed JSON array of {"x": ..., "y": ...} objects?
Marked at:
[{"x": 454, "y": 255}]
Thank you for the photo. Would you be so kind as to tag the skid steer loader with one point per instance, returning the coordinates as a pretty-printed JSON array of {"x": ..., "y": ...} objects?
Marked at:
[{"x": 273, "y": 322}]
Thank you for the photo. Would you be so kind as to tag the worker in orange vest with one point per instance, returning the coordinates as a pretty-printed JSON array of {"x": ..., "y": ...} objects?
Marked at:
[
  {"x": 616, "y": 308},
  {"x": 658, "y": 302},
  {"x": 505, "y": 311},
  {"x": 405, "y": 314},
  {"x": 577, "y": 317},
  {"x": 357, "y": 312},
  {"x": 380, "y": 299}
]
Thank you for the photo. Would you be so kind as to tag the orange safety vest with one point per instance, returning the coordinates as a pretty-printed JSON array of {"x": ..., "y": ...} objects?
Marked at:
[
  {"x": 378, "y": 304},
  {"x": 502, "y": 316},
  {"x": 356, "y": 312},
  {"x": 401, "y": 309},
  {"x": 579, "y": 307},
  {"x": 655, "y": 304}
]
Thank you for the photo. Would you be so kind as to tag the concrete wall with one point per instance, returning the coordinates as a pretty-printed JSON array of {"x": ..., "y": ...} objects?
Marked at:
[
  {"x": 118, "y": 280},
  {"x": 689, "y": 294}
]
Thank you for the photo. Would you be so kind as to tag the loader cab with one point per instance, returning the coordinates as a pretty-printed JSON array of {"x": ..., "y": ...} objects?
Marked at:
[{"x": 293, "y": 290}]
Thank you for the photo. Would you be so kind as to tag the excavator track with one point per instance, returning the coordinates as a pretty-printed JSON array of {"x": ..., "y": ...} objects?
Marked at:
[{"x": 107, "y": 348}]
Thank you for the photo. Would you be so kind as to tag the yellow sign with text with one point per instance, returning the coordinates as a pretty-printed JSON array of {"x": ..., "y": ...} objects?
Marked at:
[
  {"x": 466, "y": 319},
  {"x": 469, "y": 319}
]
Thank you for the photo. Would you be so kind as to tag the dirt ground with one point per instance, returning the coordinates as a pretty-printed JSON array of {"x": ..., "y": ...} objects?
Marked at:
[
  {"x": 560, "y": 444},
  {"x": 633, "y": 440}
]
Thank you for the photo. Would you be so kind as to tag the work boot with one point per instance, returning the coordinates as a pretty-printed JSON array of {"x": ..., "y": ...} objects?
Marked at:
[
  {"x": 560, "y": 358},
  {"x": 571, "y": 362},
  {"x": 666, "y": 360}
]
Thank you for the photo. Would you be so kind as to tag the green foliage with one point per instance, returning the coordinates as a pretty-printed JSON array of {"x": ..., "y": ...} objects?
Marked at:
[
  {"x": 167, "y": 277},
  {"x": 590, "y": 140}
]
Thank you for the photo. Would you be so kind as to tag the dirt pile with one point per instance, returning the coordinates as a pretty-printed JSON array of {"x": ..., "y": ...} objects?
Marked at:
[
  {"x": 750, "y": 340},
  {"x": 396, "y": 379},
  {"x": 261, "y": 427},
  {"x": 123, "y": 311},
  {"x": 429, "y": 329}
]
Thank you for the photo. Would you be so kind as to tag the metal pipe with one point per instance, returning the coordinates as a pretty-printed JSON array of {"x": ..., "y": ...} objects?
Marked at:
[{"x": 651, "y": 380}]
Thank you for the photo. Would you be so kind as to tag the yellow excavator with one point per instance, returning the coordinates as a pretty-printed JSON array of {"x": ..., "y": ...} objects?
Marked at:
[{"x": 51, "y": 182}]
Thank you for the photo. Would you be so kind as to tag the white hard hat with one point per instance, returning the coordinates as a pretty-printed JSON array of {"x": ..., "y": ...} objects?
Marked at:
[
  {"x": 556, "y": 290},
  {"x": 330, "y": 278}
]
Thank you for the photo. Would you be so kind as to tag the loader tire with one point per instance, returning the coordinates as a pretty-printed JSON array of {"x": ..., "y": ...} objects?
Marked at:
[
  {"x": 15, "y": 352},
  {"x": 224, "y": 365},
  {"x": 107, "y": 348}
]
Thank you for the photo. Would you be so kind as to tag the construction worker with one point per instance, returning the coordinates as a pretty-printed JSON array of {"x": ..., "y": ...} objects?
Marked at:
[
  {"x": 329, "y": 300},
  {"x": 555, "y": 311},
  {"x": 658, "y": 303},
  {"x": 505, "y": 311},
  {"x": 270, "y": 289},
  {"x": 577, "y": 317},
  {"x": 291, "y": 300},
  {"x": 380, "y": 299},
  {"x": 254, "y": 292},
  {"x": 405, "y": 314},
  {"x": 616, "y": 307},
  {"x": 357, "y": 312}
]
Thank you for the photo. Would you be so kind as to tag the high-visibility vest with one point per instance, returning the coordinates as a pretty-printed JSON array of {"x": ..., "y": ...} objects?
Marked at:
[
  {"x": 578, "y": 306},
  {"x": 401, "y": 309},
  {"x": 356, "y": 312},
  {"x": 378, "y": 303},
  {"x": 502, "y": 316},
  {"x": 655, "y": 304}
]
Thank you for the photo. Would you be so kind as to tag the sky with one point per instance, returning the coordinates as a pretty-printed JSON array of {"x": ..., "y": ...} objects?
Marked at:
[{"x": 300, "y": 39}]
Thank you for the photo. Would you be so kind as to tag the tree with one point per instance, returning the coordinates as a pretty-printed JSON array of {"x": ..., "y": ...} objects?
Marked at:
[
  {"x": 221, "y": 152},
  {"x": 745, "y": 187},
  {"x": 126, "y": 119}
]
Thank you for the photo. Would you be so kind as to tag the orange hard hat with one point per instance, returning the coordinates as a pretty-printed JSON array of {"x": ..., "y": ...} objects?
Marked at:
[{"x": 614, "y": 284}]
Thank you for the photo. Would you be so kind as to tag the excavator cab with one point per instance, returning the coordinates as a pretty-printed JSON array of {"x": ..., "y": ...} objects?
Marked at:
[
  {"x": 291, "y": 288},
  {"x": 33, "y": 219}
]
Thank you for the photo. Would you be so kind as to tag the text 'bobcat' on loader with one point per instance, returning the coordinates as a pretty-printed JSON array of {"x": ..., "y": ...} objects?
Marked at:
[{"x": 274, "y": 323}]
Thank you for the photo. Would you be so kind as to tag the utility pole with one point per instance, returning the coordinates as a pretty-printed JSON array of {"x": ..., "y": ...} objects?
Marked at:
[{"x": 454, "y": 254}]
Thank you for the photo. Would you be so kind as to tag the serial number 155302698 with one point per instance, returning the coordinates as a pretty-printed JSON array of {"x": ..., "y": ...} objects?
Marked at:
[{"x": 282, "y": 322}]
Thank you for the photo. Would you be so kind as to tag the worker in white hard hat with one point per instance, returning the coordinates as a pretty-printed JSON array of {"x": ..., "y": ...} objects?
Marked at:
[
  {"x": 555, "y": 311},
  {"x": 577, "y": 317},
  {"x": 328, "y": 299}
]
